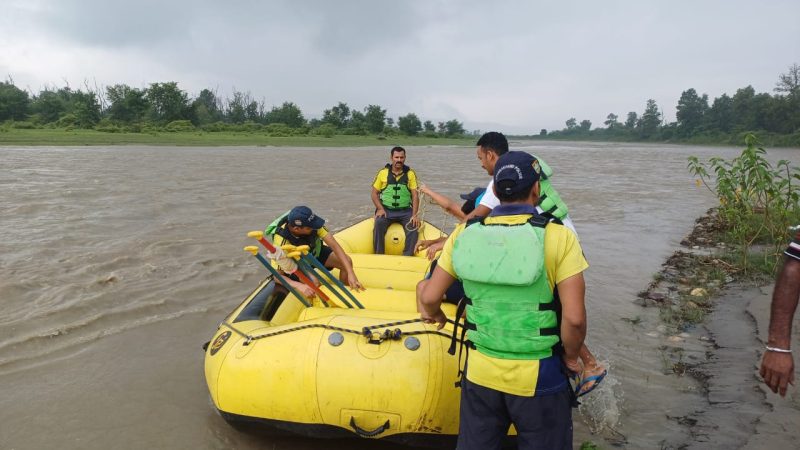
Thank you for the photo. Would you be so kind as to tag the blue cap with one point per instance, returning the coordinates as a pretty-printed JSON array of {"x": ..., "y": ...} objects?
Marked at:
[
  {"x": 515, "y": 171},
  {"x": 474, "y": 195},
  {"x": 302, "y": 216}
]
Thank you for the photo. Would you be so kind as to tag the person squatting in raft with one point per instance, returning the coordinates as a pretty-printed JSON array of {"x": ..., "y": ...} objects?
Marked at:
[{"x": 300, "y": 226}]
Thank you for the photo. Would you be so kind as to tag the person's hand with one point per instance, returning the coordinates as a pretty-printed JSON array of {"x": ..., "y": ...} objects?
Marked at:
[
  {"x": 433, "y": 249},
  {"x": 422, "y": 245},
  {"x": 572, "y": 364},
  {"x": 777, "y": 369},
  {"x": 424, "y": 189},
  {"x": 305, "y": 291},
  {"x": 415, "y": 221},
  {"x": 380, "y": 213},
  {"x": 438, "y": 318},
  {"x": 353, "y": 282}
]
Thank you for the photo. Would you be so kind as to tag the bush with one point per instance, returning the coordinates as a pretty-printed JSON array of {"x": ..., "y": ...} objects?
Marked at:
[
  {"x": 179, "y": 125},
  {"x": 67, "y": 120},
  {"x": 278, "y": 130},
  {"x": 327, "y": 130},
  {"x": 23, "y": 125},
  {"x": 758, "y": 202},
  {"x": 250, "y": 126},
  {"x": 215, "y": 127},
  {"x": 106, "y": 126},
  {"x": 135, "y": 127}
]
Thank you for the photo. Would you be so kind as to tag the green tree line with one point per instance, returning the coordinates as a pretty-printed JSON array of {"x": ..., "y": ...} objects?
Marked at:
[
  {"x": 775, "y": 118},
  {"x": 166, "y": 107}
]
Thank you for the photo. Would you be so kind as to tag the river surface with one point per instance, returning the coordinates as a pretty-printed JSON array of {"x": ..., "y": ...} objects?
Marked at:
[{"x": 117, "y": 263}]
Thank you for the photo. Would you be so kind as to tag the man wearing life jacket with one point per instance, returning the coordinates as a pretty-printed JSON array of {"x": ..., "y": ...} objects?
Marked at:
[
  {"x": 394, "y": 194},
  {"x": 491, "y": 146},
  {"x": 300, "y": 226},
  {"x": 526, "y": 319}
]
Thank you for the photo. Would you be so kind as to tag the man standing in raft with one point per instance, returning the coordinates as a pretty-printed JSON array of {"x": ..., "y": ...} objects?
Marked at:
[
  {"x": 301, "y": 226},
  {"x": 394, "y": 194},
  {"x": 523, "y": 274}
]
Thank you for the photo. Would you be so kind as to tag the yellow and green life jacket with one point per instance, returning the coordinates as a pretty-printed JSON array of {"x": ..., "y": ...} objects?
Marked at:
[{"x": 396, "y": 194}]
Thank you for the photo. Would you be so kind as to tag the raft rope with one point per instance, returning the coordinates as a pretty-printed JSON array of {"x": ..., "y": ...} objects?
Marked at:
[
  {"x": 424, "y": 203},
  {"x": 367, "y": 332}
]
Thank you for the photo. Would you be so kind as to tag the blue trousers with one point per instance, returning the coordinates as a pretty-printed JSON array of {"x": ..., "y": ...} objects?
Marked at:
[{"x": 543, "y": 422}]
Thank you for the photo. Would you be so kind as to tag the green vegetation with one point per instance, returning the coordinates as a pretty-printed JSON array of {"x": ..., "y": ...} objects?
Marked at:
[
  {"x": 758, "y": 202},
  {"x": 775, "y": 118},
  {"x": 164, "y": 114},
  {"x": 71, "y": 136}
]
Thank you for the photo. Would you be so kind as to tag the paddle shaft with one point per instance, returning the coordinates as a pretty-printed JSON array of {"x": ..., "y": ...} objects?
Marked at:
[{"x": 283, "y": 281}]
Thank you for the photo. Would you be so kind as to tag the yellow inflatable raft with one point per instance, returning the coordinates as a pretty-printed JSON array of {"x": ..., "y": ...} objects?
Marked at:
[{"x": 320, "y": 371}]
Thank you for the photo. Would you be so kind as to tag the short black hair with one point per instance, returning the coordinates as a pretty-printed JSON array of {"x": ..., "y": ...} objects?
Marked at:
[
  {"x": 396, "y": 149},
  {"x": 494, "y": 141},
  {"x": 515, "y": 197}
]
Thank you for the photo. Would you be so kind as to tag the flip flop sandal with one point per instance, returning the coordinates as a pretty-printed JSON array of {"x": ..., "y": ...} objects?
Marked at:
[{"x": 595, "y": 379}]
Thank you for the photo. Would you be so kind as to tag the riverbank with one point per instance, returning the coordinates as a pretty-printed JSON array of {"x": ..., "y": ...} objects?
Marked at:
[
  {"x": 66, "y": 137},
  {"x": 714, "y": 329}
]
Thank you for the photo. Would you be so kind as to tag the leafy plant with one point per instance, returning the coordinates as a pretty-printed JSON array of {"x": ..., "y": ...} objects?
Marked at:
[{"x": 758, "y": 202}]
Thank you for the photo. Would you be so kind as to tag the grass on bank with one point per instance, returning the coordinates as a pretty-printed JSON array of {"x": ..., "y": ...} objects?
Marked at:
[
  {"x": 78, "y": 137},
  {"x": 758, "y": 203}
]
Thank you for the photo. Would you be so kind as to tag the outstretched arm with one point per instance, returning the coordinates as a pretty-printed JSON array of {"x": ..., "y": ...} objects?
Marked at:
[
  {"x": 777, "y": 368},
  {"x": 448, "y": 205},
  {"x": 347, "y": 262}
]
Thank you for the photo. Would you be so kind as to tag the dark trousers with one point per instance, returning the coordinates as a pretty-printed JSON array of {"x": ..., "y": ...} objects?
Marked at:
[
  {"x": 403, "y": 216},
  {"x": 486, "y": 414}
]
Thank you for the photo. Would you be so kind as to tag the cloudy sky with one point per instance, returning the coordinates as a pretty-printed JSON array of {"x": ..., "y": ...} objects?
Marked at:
[{"x": 514, "y": 66}]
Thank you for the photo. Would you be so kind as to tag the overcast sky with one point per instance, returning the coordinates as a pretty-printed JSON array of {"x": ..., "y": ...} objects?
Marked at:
[{"x": 514, "y": 66}]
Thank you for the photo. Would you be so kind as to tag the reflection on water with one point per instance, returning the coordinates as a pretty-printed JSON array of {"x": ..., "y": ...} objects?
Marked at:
[{"x": 117, "y": 263}]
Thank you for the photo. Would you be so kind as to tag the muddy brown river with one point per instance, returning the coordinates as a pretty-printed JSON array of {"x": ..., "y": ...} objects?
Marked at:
[{"x": 117, "y": 263}]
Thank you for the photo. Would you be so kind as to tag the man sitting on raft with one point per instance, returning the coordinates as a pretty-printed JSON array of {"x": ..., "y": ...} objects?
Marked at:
[
  {"x": 301, "y": 226},
  {"x": 394, "y": 194}
]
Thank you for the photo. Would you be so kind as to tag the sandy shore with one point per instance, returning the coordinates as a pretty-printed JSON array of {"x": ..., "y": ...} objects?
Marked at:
[{"x": 723, "y": 354}]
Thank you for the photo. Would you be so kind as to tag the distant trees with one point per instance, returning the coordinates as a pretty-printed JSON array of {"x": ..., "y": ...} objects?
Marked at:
[
  {"x": 611, "y": 121},
  {"x": 409, "y": 124},
  {"x": 288, "y": 114},
  {"x": 691, "y": 112},
  {"x": 726, "y": 118},
  {"x": 126, "y": 104},
  {"x": 14, "y": 102}
]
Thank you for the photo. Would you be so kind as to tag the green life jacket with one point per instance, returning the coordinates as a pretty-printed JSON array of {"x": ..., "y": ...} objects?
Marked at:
[
  {"x": 396, "y": 194},
  {"x": 549, "y": 200},
  {"x": 512, "y": 312},
  {"x": 278, "y": 226}
]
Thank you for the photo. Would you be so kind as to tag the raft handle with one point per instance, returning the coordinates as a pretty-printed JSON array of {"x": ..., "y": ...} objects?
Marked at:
[{"x": 364, "y": 433}]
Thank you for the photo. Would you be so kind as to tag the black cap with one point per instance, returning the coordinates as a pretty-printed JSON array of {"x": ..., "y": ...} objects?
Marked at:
[
  {"x": 302, "y": 216},
  {"x": 515, "y": 171}
]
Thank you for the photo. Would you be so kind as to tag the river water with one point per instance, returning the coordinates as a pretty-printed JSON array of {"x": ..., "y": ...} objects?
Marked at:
[{"x": 117, "y": 263}]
